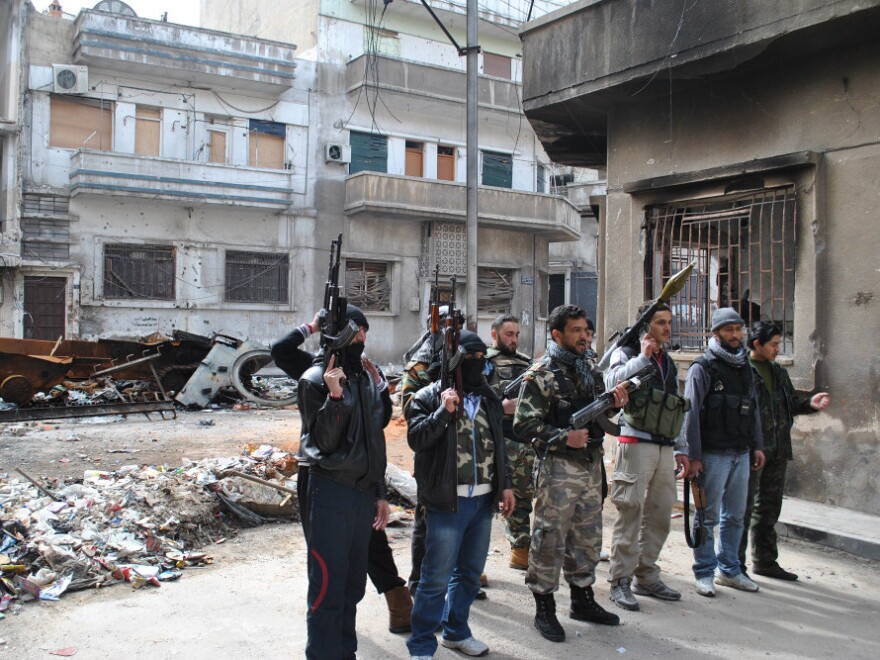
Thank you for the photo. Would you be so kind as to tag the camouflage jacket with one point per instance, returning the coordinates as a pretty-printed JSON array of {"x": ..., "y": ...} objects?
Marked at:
[
  {"x": 541, "y": 399},
  {"x": 501, "y": 370},
  {"x": 779, "y": 408},
  {"x": 437, "y": 440},
  {"x": 415, "y": 377}
]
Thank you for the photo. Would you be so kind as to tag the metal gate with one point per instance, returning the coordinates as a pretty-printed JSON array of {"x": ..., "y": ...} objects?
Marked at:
[{"x": 44, "y": 307}]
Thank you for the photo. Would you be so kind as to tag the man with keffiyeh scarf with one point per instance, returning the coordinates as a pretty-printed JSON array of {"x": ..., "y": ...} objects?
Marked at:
[
  {"x": 722, "y": 428},
  {"x": 567, "y": 533}
]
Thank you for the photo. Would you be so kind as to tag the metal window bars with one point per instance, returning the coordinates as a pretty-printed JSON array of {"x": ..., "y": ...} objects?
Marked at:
[
  {"x": 257, "y": 277},
  {"x": 139, "y": 271},
  {"x": 367, "y": 285},
  {"x": 744, "y": 245}
]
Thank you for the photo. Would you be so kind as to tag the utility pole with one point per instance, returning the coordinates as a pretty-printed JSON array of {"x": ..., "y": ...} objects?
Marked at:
[{"x": 473, "y": 159}]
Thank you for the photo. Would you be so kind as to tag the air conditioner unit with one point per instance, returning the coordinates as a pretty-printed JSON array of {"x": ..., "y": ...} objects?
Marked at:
[
  {"x": 70, "y": 79},
  {"x": 337, "y": 153}
]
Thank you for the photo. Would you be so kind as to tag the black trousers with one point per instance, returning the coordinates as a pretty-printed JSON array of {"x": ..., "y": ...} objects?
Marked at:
[{"x": 381, "y": 568}]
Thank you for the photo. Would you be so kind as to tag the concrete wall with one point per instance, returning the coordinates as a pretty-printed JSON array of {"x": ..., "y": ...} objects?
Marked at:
[{"x": 824, "y": 103}]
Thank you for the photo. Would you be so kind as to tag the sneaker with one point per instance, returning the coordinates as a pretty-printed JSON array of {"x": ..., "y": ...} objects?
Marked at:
[
  {"x": 738, "y": 581},
  {"x": 470, "y": 646},
  {"x": 706, "y": 586},
  {"x": 622, "y": 596},
  {"x": 774, "y": 571},
  {"x": 655, "y": 589}
]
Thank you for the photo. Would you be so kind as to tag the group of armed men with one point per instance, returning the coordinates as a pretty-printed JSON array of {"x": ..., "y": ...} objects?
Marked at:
[{"x": 477, "y": 452}]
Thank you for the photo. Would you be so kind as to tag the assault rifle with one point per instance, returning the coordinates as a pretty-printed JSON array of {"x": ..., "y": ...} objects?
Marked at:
[
  {"x": 336, "y": 333},
  {"x": 603, "y": 403},
  {"x": 673, "y": 285},
  {"x": 450, "y": 356},
  {"x": 435, "y": 304}
]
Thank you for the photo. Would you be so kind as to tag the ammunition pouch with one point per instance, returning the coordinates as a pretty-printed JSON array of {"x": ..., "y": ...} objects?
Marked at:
[
  {"x": 656, "y": 412},
  {"x": 728, "y": 421}
]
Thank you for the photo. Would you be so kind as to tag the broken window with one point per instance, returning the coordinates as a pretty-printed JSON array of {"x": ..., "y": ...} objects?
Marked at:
[
  {"x": 45, "y": 227},
  {"x": 744, "y": 249},
  {"x": 559, "y": 184},
  {"x": 496, "y": 65},
  {"x": 266, "y": 144},
  {"x": 148, "y": 130},
  {"x": 77, "y": 123},
  {"x": 367, "y": 285},
  {"x": 139, "y": 271},
  {"x": 257, "y": 277},
  {"x": 497, "y": 169},
  {"x": 494, "y": 290}
]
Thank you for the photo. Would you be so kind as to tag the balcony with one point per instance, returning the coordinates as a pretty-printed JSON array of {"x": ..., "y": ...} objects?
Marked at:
[
  {"x": 177, "y": 52},
  {"x": 184, "y": 182},
  {"x": 429, "y": 84},
  {"x": 407, "y": 198}
]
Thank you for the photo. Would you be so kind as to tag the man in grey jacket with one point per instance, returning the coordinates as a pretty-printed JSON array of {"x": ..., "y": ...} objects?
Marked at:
[
  {"x": 722, "y": 429},
  {"x": 643, "y": 483}
]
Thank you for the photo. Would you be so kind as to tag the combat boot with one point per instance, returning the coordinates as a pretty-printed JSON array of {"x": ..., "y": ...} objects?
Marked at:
[
  {"x": 585, "y": 608},
  {"x": 399, "y": 610},
  {"x": 519, "y": 558},
  {"x": 545, "y": 618}
]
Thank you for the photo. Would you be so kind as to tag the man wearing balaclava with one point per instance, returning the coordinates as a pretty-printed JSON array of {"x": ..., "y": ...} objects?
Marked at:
[
  {"x": 462, "y": 478},
  {"x": 345, "y": 406},
  {"x": 723, "y": 433}
]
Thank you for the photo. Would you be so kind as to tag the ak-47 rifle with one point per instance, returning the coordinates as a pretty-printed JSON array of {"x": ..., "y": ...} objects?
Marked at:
[
  {"x": 435, "y": 304},
  {"x": 603, "y": 402},
  {"x": 450, "y": 356},
  {"x": 336, "y": 333},
  {"x": 672, "y": 286}
]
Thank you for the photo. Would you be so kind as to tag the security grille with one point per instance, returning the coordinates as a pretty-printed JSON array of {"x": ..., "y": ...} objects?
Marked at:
[
  {"x": 744, "y": 249},
  {"x": 139, "y": 271},
  {"x": 494, "y": 290},
  {"x": 257, "y": 277},
  {"x": 367, "y": 285}
]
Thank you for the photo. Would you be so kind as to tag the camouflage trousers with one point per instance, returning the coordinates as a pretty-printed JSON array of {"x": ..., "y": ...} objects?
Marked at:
[
  {"x": 521, "y": 459},
  {"x": 568, "y": 523},
  {"x": 763, "y": 507}
]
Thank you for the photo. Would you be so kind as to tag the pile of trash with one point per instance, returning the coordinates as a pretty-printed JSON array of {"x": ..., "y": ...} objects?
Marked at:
[
  {"x": 96, "y": 391},
  {"x": 138, "y": 524}
]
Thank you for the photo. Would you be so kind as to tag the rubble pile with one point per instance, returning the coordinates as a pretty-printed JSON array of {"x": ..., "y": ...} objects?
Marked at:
[{"x": 138, "y": 524}]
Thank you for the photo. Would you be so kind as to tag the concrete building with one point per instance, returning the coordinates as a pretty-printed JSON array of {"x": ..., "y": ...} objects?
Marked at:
[
  {"x": 742, "y": 136},
  {"x": 390, "y": 132},
  {"x": 164, "y": 180},
  {"x": 10, "y": 140}
]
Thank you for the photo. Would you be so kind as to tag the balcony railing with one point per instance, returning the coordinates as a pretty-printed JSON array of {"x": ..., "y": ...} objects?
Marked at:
[
  {"x": 130, "y": 175},
  {"x": 409, "y": 198}
]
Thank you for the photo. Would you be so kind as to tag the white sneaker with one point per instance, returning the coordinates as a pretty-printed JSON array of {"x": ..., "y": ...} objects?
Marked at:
[
  {"x": 604, "y": 556},
  {"x": 738, "y": 581},
  {"x": 705, "y": 587},
  {"x": 469, "y": 646}
]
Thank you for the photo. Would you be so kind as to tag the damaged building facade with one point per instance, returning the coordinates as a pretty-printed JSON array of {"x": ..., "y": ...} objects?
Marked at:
[
  {"x": 163, "y": 181},
  {"x": 390, "y": 131},
  {"x": 742, "y": 137}
]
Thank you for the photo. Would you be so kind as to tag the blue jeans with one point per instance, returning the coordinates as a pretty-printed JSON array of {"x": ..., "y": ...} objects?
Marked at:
[
  {"x": 340, "y": 522},
  {"x": 455, "y": 555},
  {"x": 726, "y": 479}
]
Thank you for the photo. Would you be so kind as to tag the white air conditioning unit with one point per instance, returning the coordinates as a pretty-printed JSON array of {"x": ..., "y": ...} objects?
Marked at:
[
  {"x": 337, "y": 153},
  {"x": 70, "y": 79}
]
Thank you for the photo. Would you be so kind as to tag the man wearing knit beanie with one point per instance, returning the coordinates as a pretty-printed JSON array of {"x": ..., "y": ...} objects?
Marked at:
[{"x": 723, "y": 433}]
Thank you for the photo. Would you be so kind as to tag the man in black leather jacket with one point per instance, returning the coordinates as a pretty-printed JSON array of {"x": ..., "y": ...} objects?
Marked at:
[
  {"x": 462, "y": 476},
  {"x": 344, "y": 411}
]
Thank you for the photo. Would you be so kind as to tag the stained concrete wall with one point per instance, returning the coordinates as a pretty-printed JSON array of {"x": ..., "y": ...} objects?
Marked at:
[{"x": 825, "y": 103}]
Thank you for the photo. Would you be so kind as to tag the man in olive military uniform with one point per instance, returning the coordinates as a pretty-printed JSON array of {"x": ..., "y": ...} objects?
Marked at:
[
  {"x": 722, "y": 429},
  {"x": 505, "y": 365},
  {"x": 779, "y": 404},
  {"x": 567, "y": 535}
]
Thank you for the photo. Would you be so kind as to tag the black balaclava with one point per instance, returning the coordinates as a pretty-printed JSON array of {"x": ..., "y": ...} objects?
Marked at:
[
  {"x": 472, "y": 369},
  {"x": 351, "y": 354}
]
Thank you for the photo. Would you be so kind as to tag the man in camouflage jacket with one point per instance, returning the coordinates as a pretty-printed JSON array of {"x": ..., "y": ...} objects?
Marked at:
[
  {"x": 779, "y": 403},
  {"x": 505, "y": 365},
  {"x": 567, "y": 535}
]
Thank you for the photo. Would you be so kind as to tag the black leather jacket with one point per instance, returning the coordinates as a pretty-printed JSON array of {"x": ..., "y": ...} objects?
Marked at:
[
  {"x": 431, "y": 436},
  {"x": 344, "y": 440}
]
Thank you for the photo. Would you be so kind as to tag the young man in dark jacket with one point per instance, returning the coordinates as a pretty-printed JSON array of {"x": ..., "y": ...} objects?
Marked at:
[
  {"x": 462, "y": 476},
  {"x": 381, "y": 569},
  {"x": 344, "y": 411},
  {"x": 779, "y": 403}
]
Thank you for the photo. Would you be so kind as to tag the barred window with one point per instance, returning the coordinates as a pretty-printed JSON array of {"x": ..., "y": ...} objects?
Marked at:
[
  {"x": 367, "y": 285},
  {"x": 494, "y": 290},
  {"x": 139, "y": 271},
  {"x": 744, "y": 249},
  {"x": 257, "y": 277}
]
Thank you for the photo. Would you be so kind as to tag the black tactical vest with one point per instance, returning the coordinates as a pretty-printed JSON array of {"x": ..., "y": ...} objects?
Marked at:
[
  {"x": 570, "y": 400},
  {"x": 727, "y": 418}
]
